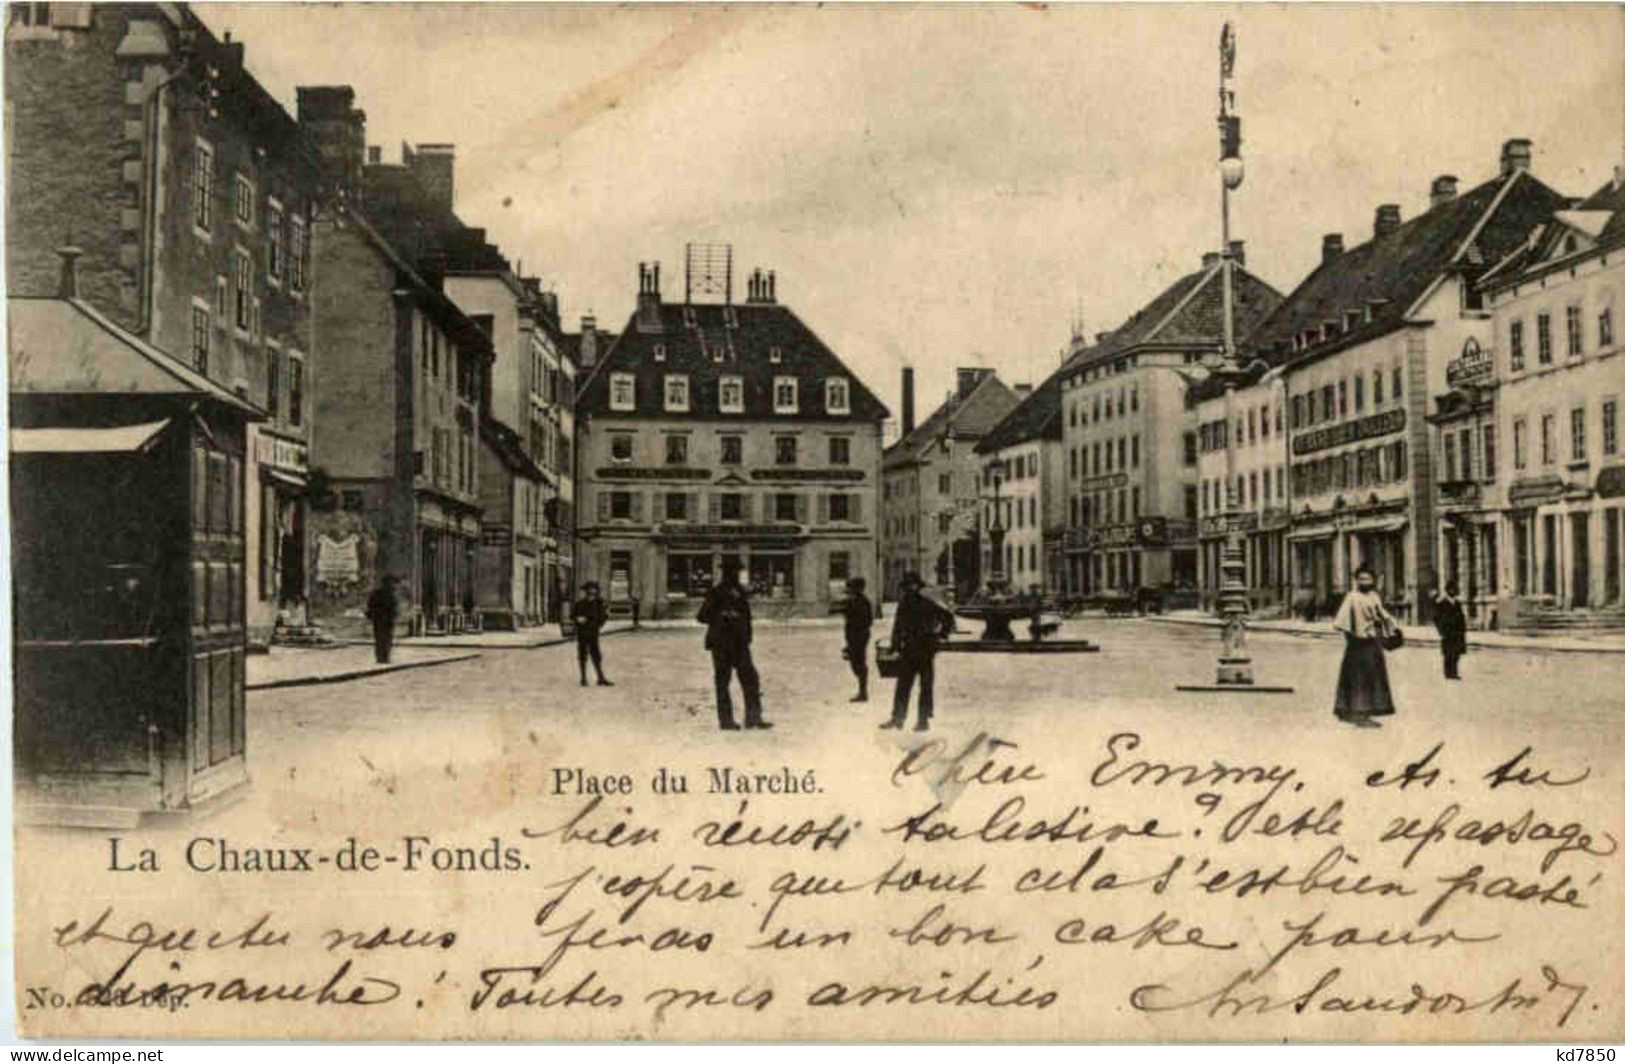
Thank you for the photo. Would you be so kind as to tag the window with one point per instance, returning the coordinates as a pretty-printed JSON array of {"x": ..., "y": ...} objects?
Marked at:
[
  {"x": 1449, "y": 456},
  {"x": 1190, "y": 502},
  {"x": 784, "y": 395},
  {"x": 1571, "y": 321},
  {"x": 1376, "y": 387},
  {"x": 945, "y": 483},
  {"x": 1515, "y": 345},
  {"x": 1134, "y": 451},
  {"x": 784, "y": 450},
  {"x": 1577, "y": 434},
  {"x": 784, "y": 506},
  {"x": 1543, "y": 338},
  {"x": 620, "y": 505},
  {"x": 203, "y": 188},
  {"x": 1487, "y": 442},
  {"x": 840, "y": 450},
  {"x": 620, "y": 448},
  {"x": 1190, "y": 448},
  {"x": 775, "y": 355},
  {"x": 273, "y": 380},
  {"x": 660, "y": 352},
  {"x": 731, "y": 395},
  {"x": 1122, "y": 452},
  {"x": 1520, "y": 444},
  {"x": 676, "y": 450},
  {"x": 243, "y": 201},
  {"x": 275, "y": 249},
  {"x": 1610, "y": 426},
  {"x": 1359, "y": 394},
  {"x": 202, "y": 333},
  {"x": 676, "y": 393},
  {"x": 1399, "y": 387},
  {"x": 298, "y": 254},
  {"x": 733, "y": 450},
  {"x": 1328, "y": 401},
  {"x": 1342, "y": 398},
  {"x": 1548, "y": 439},
  {"x": 1605, "y": 327},
  {"x": 622, "y": 389},
  {"x": 837, "y": 396},
  {"x": 731, "y": 506}
]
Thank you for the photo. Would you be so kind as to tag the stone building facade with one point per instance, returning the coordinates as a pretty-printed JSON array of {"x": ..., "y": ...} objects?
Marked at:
[
  {"x": 725, "y": 433},
  {"x": 138, "y": 136}
]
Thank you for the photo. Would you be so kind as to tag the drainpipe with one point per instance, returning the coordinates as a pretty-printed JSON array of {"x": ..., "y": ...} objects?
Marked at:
[{"x": 152, "y": 117}]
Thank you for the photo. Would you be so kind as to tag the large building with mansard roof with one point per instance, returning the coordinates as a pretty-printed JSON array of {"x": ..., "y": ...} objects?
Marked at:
[{"x": 718, "y": 431}]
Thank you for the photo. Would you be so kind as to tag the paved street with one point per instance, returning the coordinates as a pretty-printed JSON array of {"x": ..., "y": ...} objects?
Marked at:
[{"x": 470, "y": 734}]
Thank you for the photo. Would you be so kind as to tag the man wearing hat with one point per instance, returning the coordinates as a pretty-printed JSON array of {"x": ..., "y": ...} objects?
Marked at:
[
  {"x": 382, "y": 609},
  {"x": 726, "y": 616},
  {"x": 860, "y": 618},
  {"x": 917, "y": 625},
  {"x": 589, "y": 615}
]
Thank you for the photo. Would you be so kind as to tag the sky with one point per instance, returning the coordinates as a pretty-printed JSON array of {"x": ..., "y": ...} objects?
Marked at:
[{"x": 942, "y": 186}]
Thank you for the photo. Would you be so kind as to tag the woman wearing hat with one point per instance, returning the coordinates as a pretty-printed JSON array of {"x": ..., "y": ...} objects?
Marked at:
[{"x": 1362, "y": 681}]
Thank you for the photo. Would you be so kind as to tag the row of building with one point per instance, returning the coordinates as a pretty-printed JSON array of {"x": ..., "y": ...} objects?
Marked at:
[{"x": 1439, "y": 402}]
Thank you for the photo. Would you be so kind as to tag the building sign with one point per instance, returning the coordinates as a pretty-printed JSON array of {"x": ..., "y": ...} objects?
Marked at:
[
  {"x": 681, "y": 528},
  {"x": 1611, "y": 482},
  {"x": 1110, "y": 480},
  {"x": 279, "y": 453},
  {"x": 1528, "y": 491},
  {"x": 1219, "y": 525},
  {"x": 1474, "y": 366},
  {"x": 338, "y": 561},
  {"x": 1348, "y": 432},
  {"x": 806, "y": 474},
  {"x": 652, "y": 473},
  {"x": 1146, "y": 532}
]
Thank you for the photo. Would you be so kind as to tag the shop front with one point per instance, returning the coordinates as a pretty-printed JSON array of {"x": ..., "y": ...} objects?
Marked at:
[
  {"x": 448, "y": 535},
  {"x": 279, "y": 601},
  {"x": 688, "y": 562}
]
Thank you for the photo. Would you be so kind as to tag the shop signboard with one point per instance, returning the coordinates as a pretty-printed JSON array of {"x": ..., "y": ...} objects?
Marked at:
[
  {"x": 1348, "y": 432},
  {"x": 1474, "y": 366}
]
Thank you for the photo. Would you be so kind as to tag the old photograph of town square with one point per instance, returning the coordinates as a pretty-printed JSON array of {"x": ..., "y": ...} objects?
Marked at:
[{"x": 909, "y": 523}]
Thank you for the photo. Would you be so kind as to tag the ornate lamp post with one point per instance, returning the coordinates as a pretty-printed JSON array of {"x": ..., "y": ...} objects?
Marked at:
[
  {"x": 1235, "y": 666},
  {"x": 996, "y": 575}
]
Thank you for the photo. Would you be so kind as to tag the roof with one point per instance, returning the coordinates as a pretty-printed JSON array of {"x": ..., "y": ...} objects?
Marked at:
[
  {"x": 1038, "y": 415},
  {"x": 969, "y": 416},
  {"x": 1384, "y": 278},
  {"x": 1188, "y": 313},
  {"x": 419, "y": 227},
  {"x": 67, "y": 347},
  {"x": 504, "y": 443},
  {"x": 748, "y": 344},
  {"x": 1596, "y": 224}
]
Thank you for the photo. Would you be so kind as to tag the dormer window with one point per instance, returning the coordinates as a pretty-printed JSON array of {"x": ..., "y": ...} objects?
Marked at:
[
  {"x": 688, "y": 317},
  {"x": 1351, "y": 320},
  {"x": 785, "y": 399},
  {"x": 837, "y": 396},
  {"x": 676, "y": 393},
  {"x": 660, "y": 352},
  {"x": 731, "y": 395},
  {"x": 622, "y": 392},
  {"x": 775, "y": 354},
  {"x": 730, "y": 317}
]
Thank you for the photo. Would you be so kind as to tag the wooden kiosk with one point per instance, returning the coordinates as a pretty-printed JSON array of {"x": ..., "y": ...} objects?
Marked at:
[{"x": 128, "y": 565}]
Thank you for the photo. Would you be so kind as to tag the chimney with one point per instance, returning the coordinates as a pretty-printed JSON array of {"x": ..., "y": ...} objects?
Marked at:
[
  {"x": 1515, "y": 155},
  {"x": 1210, "y": 259},
  {"x": 772, "y": 287},
  {"x": 648, "y": 312},
  {"x": 231, "y": 52},
  {"x": 67, "y": 286},
  {"x": 760, "y": 287},
  {"x": 1023, "y": 390},
  {"x": 1238, "y": 252},
  {"x": 908, "y": 400},
  {"x": 1443, "y": 190},
  {"x": 1331, "y": 246},
  {"x": 589, "y": 341},
  {"x": 1387, "y": 221},
  {"x": 967, "y": 378},
  {"x": 338, "y": 130},
  {"x": 432, "y": 166}
]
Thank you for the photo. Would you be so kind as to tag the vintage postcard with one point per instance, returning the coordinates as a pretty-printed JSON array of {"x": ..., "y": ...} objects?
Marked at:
[{"x": 817, "y": 523}]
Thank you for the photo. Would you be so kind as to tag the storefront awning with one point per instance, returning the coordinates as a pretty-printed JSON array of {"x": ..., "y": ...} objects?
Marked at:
[{"x": 124, "y": 439}]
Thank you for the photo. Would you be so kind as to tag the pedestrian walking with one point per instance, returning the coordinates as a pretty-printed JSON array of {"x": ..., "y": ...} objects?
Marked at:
[
  {"x": 382, "y": 609},
  {"x": 1451, "y": 621},
  {"x": 589, "y": 615},
  {"x": 860, "y": 619},
  {"x": 1362, "y": 681},
  {"x": 637, "y": 610},
  {"x": 726, "y": 616},
  {"x": 918, "y": 624}
]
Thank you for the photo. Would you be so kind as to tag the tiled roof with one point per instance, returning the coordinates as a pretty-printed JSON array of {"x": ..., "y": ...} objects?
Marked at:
[
  {"x": 1600, "y": 217},
  {"x": 67, "y": 347},
  {"x": 970, "y": 416},
  {"x": 1188, "y": 313},
  {"x": 747, "y": 349},
  {"x": 422, "y": 229},
  {"x": 1389, "y": 274},
  {"x": 1038, "y": 415}
]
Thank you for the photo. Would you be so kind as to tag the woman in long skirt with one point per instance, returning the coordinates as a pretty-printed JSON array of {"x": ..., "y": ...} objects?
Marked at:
[{"x": 1362, "y": 683}]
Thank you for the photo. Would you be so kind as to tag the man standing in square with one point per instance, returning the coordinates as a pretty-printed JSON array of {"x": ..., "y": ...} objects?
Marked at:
[{"x": 726, "y": 615}]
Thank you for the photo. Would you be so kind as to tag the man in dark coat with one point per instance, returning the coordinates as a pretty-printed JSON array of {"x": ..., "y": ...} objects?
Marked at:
[
  {"x": 860, "y": 619},
  {"x": 1451, "y": 621},
  {"x": 917, "y": 626},
  {"x": 589, "y": 615},
  {"x": 726, "y": 615},
  {"x": 382, "y": 609}
]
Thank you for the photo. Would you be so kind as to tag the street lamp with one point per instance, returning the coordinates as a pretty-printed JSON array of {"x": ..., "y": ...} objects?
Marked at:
[
  {"x": 995, "y": 534},
  {"x": 1235, "y": 666}
]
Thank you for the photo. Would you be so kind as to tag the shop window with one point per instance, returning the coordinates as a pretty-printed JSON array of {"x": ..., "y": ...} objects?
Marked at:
[{"x": 773, "y": 575}]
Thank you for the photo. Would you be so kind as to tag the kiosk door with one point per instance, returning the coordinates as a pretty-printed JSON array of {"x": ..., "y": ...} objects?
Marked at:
[{"x": 216, "y": 721}]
